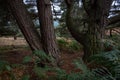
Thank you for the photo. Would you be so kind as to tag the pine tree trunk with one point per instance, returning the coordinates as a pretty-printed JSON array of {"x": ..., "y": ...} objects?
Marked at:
[
  {"x": 25, "y": 23},
  {"x": 47, "y": 29}
]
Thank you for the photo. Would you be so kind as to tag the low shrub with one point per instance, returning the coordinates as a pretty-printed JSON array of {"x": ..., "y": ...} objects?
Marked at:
[{"x": 69, "y": 45}]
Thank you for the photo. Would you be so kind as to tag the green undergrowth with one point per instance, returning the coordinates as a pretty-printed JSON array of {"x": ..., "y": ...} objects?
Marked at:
[
  {"x": 102, "y": 66},
  {"x": 116, "y": 39},
  {"x": 8, "y": 70},
  {"x": 69, "y": 45},
  {"x": 106, "y": 66}
]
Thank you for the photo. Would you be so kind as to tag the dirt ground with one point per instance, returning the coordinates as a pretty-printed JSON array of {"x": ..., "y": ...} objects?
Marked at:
[
  {"x": 16, "y": 57},
  {"x": 9, "y": 41}
]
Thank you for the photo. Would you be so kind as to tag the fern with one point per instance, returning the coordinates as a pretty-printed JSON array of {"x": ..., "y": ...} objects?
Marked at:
[
  {"x": 26, "y": 77},
  {"x": 81, "y": 65},
  {"x": 40, "y": 72},
  {"x": 110, "y": 70},
  {"x": 41, "y": 63},
  {"x": 116, "y": 40},
  {"x": 110, "y": 60},
  {"x": 41, "y": 54},
  {"x": 4, "y": 65},
  {"x": 86, "y": 74},
  {"x": 27, "y": 59}
]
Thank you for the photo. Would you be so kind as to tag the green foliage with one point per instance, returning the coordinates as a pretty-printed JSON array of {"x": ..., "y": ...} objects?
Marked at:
[
  {"x": 40, "y": 72},
  {"x": 4, "y": 65},
  {"x": 62, "y": 31},
  {"x": 108, "y": 68},
  {"x": 26, "y": 77},
  {"x": 110, "y": 60},
  {"x": 42, "y": 55},
  {"x": 109, "y": 44},
  {"x": 109, "y": 56},
  {"x": 74, "y": 46},
  {"x": 69, "y": 45},
  {"x": 39, "y": 56},
  {"x": 41, "y": 61},
  {"x": 116, "y": 39},
  {"x": 81, "y": 65},
  {"x": 60, "y": 74},
  {"x": 62, "y": 43},
  {"x": 27, "y": 59},
  {"x": 85, "y": 74},
  {"x": 99, "y": 73}
]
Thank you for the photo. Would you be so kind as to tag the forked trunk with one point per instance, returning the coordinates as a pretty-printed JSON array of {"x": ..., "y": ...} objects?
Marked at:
[{"x": 97, "y": 11}]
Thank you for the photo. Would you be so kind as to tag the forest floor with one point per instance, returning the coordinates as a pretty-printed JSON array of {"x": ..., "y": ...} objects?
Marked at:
[
  {"x": 9, "y": 41},
  {"x": 16, "y": 51},
  {"x": 16, "y": 57}
]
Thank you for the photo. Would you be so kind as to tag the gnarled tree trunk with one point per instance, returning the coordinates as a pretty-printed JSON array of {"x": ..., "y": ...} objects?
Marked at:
[{"x": 97, "y": 12}]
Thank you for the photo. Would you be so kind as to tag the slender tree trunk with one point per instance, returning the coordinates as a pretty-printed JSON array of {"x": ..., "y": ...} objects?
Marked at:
[
  {"x": 47, "y": 29},
  {"x": 25, "y": 23}
]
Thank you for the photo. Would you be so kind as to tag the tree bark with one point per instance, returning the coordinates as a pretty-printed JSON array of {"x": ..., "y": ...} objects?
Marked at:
[
  {"x": 80, "y": 37},
  {"x": 97, "y": 11},
  {"x": 47, "y": 29},
  {"x": 97, "y": 17},
  {"x": 25, "y": 23}
]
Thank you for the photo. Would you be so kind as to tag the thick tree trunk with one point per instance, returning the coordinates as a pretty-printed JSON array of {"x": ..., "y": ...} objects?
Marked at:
[
  {"x": 93, "y": 44},
  {"x": 70, "y": 24},
  {"x": 97, "y": 11},
  {"x": 25, "y": 23},
  {"x": 47, "y": 29},
  {"x": 91, "y": 40}
]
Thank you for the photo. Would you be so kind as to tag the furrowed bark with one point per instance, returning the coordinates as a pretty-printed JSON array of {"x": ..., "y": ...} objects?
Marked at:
[
  {"x": 25, "y": 23},
  {"x": 47, "y": 29},
  {"x": 97, "y": 12}
]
